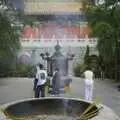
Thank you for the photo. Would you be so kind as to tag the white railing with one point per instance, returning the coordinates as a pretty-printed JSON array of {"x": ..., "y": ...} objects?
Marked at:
[{"x": 63, "y": 42}]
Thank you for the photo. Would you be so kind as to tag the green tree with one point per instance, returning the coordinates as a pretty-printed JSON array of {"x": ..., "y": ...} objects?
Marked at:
[
  {"x": 86, "y": 56},
  {"x": 104, "y": 21},
  {"x": 9, "y": 37}
]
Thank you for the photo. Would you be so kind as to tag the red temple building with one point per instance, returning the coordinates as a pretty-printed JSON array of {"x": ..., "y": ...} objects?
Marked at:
[{"x": 56, "y": 20}]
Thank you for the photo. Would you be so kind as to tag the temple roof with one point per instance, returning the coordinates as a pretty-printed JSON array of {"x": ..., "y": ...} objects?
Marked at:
[
  {"x": 52, "y": 8},
  {"x": 66, "y": 1}
]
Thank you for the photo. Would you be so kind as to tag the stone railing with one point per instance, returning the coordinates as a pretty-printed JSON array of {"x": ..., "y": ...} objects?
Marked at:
[{"x": 63, "y": 42}]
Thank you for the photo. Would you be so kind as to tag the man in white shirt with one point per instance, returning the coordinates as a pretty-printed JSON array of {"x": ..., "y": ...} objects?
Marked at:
[
  {"x": 41, "y": 75},
  {"x": 88, "y": 74}
]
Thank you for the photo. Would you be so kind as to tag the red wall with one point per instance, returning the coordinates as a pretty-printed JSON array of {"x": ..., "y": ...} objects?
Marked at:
[{"x": 58, "y": 31}]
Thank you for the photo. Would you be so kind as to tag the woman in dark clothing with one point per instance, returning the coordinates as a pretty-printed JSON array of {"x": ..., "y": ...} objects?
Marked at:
[
  {"x": 56, "y": 82},
  {"x": 35, "y": 79}
]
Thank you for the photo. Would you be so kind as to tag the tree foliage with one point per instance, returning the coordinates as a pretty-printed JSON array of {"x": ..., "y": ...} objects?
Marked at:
[
  {"x": 86, "y": 56},
  {"x": 104, "y": 21},
  {"x": 9, "y": 36}
]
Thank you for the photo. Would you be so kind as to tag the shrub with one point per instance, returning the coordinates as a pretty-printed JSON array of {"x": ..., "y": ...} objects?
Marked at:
[
  {"x": 20, "y": 70},
  {"x": 79, "y": 69}
]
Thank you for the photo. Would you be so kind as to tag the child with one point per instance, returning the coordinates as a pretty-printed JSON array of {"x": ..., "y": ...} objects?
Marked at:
[{"x": 67, "y": 87}]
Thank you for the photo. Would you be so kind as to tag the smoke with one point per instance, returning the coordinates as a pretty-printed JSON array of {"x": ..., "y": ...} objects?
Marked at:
[{"x": 17, "y": 4}]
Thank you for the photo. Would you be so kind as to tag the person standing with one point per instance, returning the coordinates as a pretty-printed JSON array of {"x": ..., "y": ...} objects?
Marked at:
[
  {"x": 35, "y": 79},
  {"x": 56, "y": 82},
  {"x": 41, "y": 75},
  {"x": 89, "y": 84}
]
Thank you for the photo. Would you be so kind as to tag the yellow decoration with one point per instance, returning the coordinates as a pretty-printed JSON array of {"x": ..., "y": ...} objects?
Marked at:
[{"x": 67, "y": 88}]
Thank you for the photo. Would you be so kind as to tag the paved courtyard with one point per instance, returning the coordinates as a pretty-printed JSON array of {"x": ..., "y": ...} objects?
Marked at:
[{"x": 19, "y": 88}]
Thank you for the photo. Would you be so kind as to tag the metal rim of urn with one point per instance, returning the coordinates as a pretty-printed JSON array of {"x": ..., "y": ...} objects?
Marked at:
[{"x": 103, "y": 114}]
